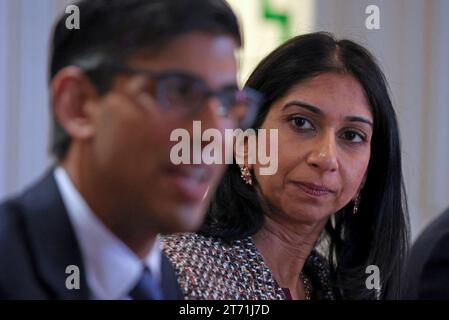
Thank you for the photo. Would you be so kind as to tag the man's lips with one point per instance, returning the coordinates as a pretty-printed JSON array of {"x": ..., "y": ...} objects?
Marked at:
[
  {"x": 196, "y": 173},
  {"x": 313, "y": 189},
  {"x": 190, "y": 181}
]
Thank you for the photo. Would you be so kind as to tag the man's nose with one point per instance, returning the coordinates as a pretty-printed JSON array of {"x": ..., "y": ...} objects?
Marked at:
[
  {"x": 214, "y": 114},
  {"x": 209, "y": 118}
]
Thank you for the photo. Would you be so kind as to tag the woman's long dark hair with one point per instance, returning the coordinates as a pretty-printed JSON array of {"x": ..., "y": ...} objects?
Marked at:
[{"x": 378, "y": 233}]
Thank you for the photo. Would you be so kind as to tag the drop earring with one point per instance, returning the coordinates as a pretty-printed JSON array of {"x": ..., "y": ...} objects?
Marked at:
[
  {"x": 355, "y": 209},
  {"x": 356, "y": 204},
  {"x": 246, "y": 175}
]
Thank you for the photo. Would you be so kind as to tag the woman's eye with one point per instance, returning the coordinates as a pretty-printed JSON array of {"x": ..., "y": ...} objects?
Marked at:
[
  {"x": 301, "y": 123},
  {"x": 353, "y": 136}
]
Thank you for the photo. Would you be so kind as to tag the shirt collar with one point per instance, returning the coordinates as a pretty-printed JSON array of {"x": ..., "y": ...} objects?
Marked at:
[{"x": 112, "y": 268}]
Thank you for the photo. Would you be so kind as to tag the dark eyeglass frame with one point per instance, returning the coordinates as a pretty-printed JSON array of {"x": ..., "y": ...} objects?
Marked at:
[{"x": 229, "y": 96}]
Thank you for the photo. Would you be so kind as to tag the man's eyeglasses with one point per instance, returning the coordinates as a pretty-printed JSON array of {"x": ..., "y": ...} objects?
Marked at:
[{"x": 186, "y": 93}]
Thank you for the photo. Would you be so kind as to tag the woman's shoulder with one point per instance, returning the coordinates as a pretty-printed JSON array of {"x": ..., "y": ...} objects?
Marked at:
[
  {"x": 212, "y": 268},
  {"x": 317, "y": 267},
  {"x": 191, "y": 250},
  {"x": 187, "y": 239},
  {"x": 201, "y": 245}
]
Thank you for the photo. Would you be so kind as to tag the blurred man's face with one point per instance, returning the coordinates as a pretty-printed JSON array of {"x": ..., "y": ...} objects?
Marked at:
[{"x": 131, "y": 146}]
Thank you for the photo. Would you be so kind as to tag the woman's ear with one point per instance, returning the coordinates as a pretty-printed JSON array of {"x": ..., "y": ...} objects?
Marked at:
[
  {"x": 245, "y": 149},
  {"x": 363, "y": 180},
  {"x": 72, "y": 96},
  {"x": 362, "y": 184}
]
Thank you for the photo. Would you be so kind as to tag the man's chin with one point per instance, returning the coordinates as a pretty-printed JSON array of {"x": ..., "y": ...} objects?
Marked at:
[{"x": 184, "y": 219}]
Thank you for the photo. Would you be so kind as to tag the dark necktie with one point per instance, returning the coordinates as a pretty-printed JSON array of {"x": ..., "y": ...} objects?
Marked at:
[{"x": 146, "y": 288}]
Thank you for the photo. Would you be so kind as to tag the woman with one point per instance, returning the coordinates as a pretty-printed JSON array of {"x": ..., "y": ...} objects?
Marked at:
[{"x": 336, "y": 205}]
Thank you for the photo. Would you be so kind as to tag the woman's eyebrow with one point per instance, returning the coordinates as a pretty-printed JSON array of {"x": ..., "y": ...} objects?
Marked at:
[
  {"x": 314, "y": 109},
  {"x": 359, "y": 119},
  {"x": 304, "y": 105}
]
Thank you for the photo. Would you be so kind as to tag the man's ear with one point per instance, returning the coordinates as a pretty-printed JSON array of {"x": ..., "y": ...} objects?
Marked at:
[{"x": 72, "y": 97}]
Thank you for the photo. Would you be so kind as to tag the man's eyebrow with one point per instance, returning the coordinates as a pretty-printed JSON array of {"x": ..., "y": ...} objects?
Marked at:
[{"x": 304, "y": 105}]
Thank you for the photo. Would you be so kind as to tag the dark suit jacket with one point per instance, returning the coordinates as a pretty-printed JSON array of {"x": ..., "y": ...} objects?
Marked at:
[
  {"x": 37, "y": 243},
  {"x": 427, "y": 274}
]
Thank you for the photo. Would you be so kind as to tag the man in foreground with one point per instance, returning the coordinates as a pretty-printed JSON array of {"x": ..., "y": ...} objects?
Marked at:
[{"x": 134, "y": 71}]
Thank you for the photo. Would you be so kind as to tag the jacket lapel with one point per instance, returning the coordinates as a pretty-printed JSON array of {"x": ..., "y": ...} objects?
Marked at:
[
  {"x": 54, "y": 247},
  {"x": 52, "y": 240},
  {"x": 170, "y": 286}
]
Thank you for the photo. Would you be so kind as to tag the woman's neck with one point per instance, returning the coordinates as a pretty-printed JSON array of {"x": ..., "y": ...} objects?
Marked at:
[{"x": 285, "y": 248}]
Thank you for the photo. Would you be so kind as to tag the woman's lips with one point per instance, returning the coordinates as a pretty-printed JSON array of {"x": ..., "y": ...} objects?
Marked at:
[{"x": 314, "y": 190}]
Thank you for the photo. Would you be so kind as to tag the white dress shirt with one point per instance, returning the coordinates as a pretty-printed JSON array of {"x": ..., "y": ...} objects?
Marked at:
[{"x": 112, "y": 269}]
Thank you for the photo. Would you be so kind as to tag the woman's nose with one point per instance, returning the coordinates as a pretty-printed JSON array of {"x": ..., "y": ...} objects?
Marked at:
[{"x": 323, "y": 155}]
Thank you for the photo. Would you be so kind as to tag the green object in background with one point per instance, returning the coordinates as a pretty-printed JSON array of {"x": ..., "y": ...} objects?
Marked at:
[{"x": 280, "y": 17}]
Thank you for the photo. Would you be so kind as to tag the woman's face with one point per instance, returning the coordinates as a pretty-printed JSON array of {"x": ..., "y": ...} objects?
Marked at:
[{"x": 325, "y": 126}]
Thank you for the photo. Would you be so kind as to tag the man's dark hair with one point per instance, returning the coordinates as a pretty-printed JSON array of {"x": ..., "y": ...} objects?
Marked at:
[
  {"x": 378, "y": 234},
  {"x": 115, "y": 29}
]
